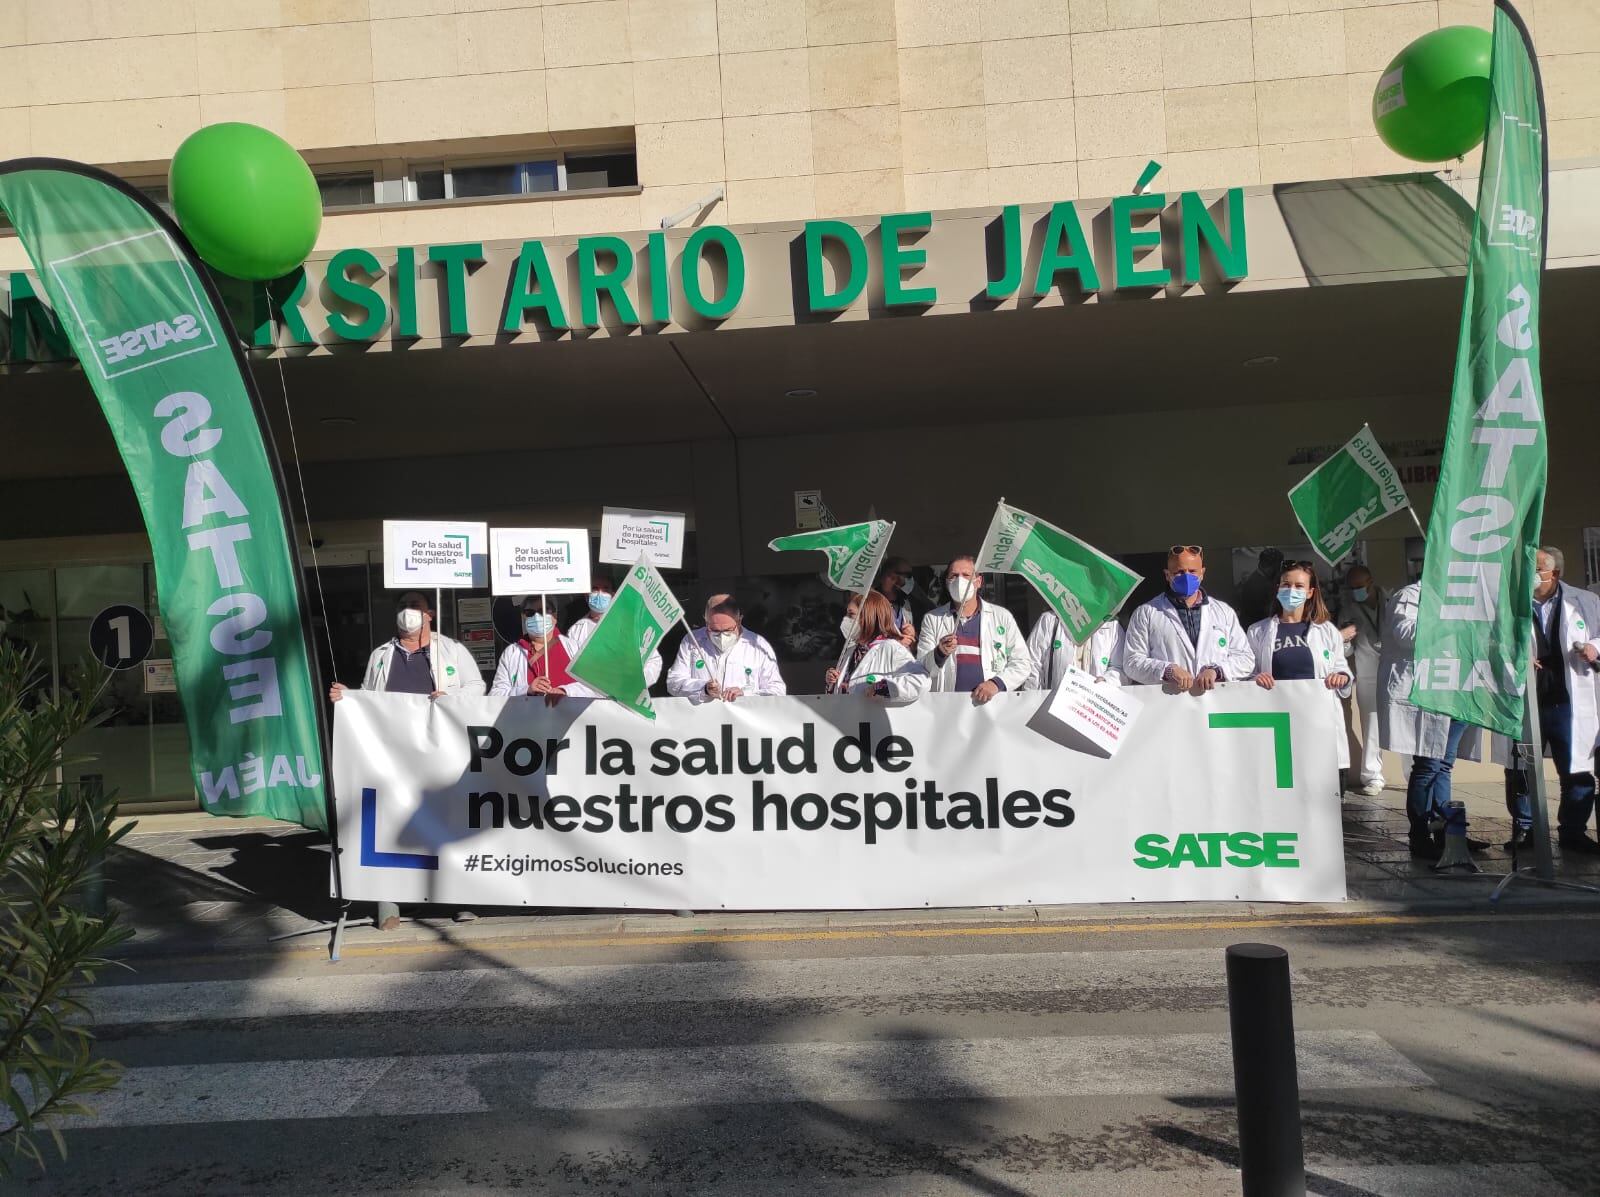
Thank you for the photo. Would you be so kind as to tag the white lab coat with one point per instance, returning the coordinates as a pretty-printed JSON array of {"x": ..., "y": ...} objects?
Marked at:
[
  {"x": 461, "y": 674},
  {"x": 1004, "y": 652},
  {"x": 1402, "y": 727},
  {"x": 886, "y": 661},
  {"x": 749, "y": 665},
  {"x": 1156, "y": 639},
  {"x": 1053, "y": 653},
  {"x": 1327, "y": 656},
  {"x": 1580, "y": 624},
  {"x": 578, "y": 635},
  {"x": 511, "y": 674}
]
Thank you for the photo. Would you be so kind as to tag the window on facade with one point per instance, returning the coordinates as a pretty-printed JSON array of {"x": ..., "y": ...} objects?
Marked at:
[
  {"x": 346, "y": 188},
  {"x": 602, "y": 170}
]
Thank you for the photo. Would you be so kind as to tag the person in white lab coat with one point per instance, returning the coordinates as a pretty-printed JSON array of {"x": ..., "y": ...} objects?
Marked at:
[
  {"x": 418, "y": 660},
  {"x": 875, "y": 661},
  {"x": 601, "y": 592},
  {"x": 1053, "y": 653},
  {"x": 1566, "y": 631},
  {"x": 1185, "y": 638},
  {"x": 969, "y": 645},
  {"x": 1299, "y": 642},
  {"x": 729, "y": 664},
  {"x": 537, "y": 663},
  {"x": 1433, "y": 741},
  {"x": 1361, "y": 621}
]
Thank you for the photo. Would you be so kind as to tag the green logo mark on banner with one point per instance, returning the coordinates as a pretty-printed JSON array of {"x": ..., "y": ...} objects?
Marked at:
[
  {"x": 1355, "y": 487},
  {"x": 854, "y": 551},
  {"x": 162, "y": 363},
  {"x": 1475, "y": 613},
  {"x": 1081, "y": 584},
  {"x": 612, "y": 659},
  {"x": 1276, "y": 722}
]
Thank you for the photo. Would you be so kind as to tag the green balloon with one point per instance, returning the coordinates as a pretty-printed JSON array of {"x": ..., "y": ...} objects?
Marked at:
[
  {"x": 245, "y": 199},
  {"x": 1432, "y": 103}
]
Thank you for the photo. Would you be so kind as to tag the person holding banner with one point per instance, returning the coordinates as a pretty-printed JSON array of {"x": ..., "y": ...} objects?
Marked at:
[
  {"x": 537, "y": 663},
  {"x": 417, "y": 660},
  {"x": 1185, "y": 638},
  {"x": 1566, "y": 631},
  {"x": 1053, "y": 653},
  {"x": 969, "y": 645},
  {"x": 1433, "y": 741},
  {"x": 601, "y": 591},
  {"x": 875, "y": 661},
  {"x": 732, "y": 664},
  {"x": 1299, "y": 642}
]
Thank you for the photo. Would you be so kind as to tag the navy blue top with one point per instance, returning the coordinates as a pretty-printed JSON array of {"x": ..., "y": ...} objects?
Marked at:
[
  {"x": 1291, "y": 653},
  {"x": 410, "y": 673}
]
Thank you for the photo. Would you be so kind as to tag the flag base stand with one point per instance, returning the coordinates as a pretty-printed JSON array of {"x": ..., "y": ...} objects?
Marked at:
[{"x": 337, "y": 927}]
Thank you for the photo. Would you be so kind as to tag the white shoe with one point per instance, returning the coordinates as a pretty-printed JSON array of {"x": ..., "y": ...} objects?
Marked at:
[{"x": 1372, "y": 788}]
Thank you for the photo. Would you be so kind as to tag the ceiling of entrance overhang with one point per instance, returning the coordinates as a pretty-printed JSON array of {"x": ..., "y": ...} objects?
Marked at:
[{"x": 1131, "y": 355}]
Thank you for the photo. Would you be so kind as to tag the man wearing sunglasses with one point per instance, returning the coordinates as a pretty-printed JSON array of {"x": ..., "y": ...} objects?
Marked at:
[{"x": 1185, "y": 638}]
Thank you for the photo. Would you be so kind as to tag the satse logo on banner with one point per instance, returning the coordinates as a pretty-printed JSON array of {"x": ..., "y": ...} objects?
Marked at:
[{"x": 122, "y": 350}]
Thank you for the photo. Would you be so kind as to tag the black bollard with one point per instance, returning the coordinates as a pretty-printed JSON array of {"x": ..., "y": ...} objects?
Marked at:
[{"x": 1265, "y": 1085}]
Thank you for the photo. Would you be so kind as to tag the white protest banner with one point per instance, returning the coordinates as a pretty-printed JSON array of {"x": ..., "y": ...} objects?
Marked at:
[
  {"x": 625, "y": 533},
  {"x": 1099, "y": 712},
  {"x": 539, "y": 561},
  {"x": 834, "y": 802},
  {"x": 435, "y": 555}
]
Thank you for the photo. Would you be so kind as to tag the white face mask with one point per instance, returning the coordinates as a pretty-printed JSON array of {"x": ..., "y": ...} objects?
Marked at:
[
  {"x": 907, "y": 585},
  {"x": 408, "y": 620},
  {"x": 724, "y": 640},
  {"x": 959, "y": 588},
  {"x": 849, "y": 626}
]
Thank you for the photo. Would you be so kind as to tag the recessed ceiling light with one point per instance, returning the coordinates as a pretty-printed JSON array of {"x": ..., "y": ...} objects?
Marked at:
[
  {"x": 339, "y": 421},
  {"x": 1266, "y": 359},
  {"x": 800, "y": 393}
]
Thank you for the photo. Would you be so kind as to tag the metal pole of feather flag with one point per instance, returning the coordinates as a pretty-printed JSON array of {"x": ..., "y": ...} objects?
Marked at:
[{"x": 1421, "y": 531}]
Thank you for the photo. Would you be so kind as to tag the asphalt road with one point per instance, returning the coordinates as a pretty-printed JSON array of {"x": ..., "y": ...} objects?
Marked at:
[{"x": 1449, "y": 1055}]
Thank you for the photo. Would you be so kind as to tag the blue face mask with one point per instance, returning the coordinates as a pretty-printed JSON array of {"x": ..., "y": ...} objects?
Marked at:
[
  {"x": 1184, "y": 585},
  {"x": 537, "y": 624},
  {"x": 1359, "y": 593},
  {"x": 599, "y": 602},
  {"x": 1291, "y": 598}
]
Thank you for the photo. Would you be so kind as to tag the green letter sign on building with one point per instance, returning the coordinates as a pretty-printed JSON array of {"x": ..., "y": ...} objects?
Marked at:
[{"x": 146, "y": 323}]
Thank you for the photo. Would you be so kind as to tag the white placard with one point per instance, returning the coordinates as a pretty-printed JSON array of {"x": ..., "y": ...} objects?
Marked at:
[
  {"x": 625, "y": 533},
  {"x": 435, "y": 555},
  {"x": 159, "y": 676},
  {"x": 1099, "y": 712},
  {"x": 835, "y": 802},
  {"x": 539, "y": 560}
]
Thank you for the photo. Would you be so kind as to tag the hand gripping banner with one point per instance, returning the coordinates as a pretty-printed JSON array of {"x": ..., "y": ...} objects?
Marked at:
[{"x": 150, "y": 331}]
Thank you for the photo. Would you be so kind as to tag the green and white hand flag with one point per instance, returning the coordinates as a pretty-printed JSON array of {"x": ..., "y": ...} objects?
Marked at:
[
  {"x": 1475, "y": 613},
  {"x": 854, "y": 551},
  {"x": 1355, "y": 487},
  {"x": 612, "y": 659},
  {"x": 1081, "y": 584}
]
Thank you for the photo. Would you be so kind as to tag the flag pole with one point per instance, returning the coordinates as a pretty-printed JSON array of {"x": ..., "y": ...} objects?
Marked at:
[{"x": 1421, "y": 531}]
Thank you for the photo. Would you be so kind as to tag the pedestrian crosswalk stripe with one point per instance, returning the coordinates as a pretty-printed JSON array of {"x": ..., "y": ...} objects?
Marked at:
[
  {"x": 1195, "y": 1065},
  {"x": 738, "y": 980}
]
